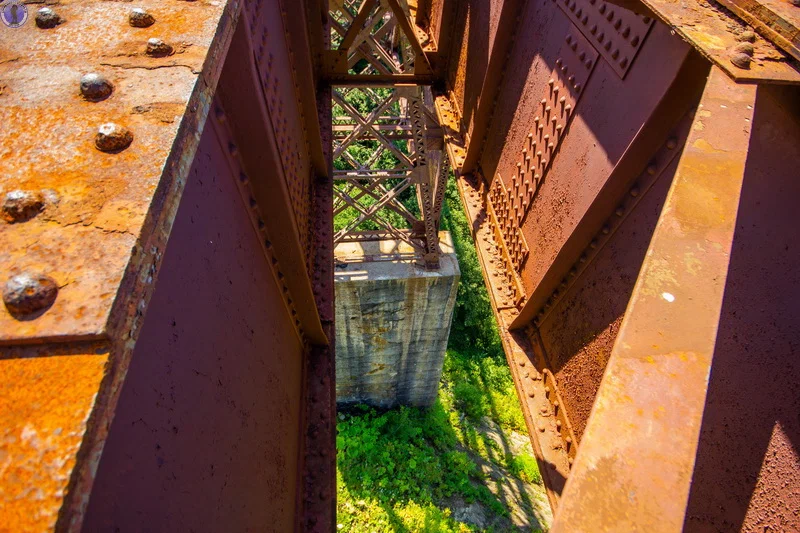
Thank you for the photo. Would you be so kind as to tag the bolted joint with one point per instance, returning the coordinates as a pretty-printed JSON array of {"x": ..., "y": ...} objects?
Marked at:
[
  {"x": 95, "y": 87},
  {"x": 140, "y": 18},
  {"x": 113, "y": 138},
  {"x": 46, "y": 18},
  {"x": 19, "y": 206},
  {"x": 28, "y": 293}
]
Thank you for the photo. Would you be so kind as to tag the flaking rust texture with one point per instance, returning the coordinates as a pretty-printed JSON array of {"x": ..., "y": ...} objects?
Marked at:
[
  {"x": 45, "y": 402},
  {"x": 97, "y": 203},
  {"x": 108, "y": 203}
]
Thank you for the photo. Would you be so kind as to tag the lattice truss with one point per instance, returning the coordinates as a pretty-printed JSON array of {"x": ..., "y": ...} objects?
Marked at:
[
  {"x": 390, "y": 171},
  {"x": 375, "y": 37}
]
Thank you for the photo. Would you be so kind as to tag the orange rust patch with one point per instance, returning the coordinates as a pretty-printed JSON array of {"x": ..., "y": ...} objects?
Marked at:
[{"x": 44, "y": 406}]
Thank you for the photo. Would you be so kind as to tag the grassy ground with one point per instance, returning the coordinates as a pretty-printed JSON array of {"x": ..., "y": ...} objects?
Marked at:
[{"x": 402, "y": 470}]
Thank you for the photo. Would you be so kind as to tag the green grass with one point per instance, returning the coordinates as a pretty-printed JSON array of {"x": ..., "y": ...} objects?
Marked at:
[{"x": 396, "y": 468}]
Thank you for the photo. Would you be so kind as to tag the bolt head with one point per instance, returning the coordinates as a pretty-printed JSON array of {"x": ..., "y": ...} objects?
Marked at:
[
  {"x": 112, "y": 137},
  {"x": 741, "y": 60},
  {"x": 747, "y": 36},
  {"x": 46, "y": 18},
  {"x": 95, "y": 87},
  {"x": 19, "y": 206},
  {"x": 29, "y": 293},
  {"x": 158, "y": 48},
  {"x": 744, "y": 48},
  {"x": 140, "y": 18}
]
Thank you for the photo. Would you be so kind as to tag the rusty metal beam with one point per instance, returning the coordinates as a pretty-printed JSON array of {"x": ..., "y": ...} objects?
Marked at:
[
  {"x": 726, "y": 41},
  {"x": 634, "y": 467},
  {"x": 377, "y": 80},
  {"x": 299, "y": 37},
  {"x": 262, "y": 159},
  {"x": 492, "y": 81},
  {"x": 421, "y": 63},
  {"x": 778, "y": 21},
  {"x": 109, "y": 198},
  {"x": 684, "y": 92}
]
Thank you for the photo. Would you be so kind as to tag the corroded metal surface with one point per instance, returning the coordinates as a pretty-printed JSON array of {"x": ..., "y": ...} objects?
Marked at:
[
  {"x": 100, "y": 203},
  {"x": 639, "y": 447},
  {"x": 618, "y": 33},
  {"x": 108, "y": 205},
  {"x": 206, "y": 432},
  {"x": 777, "y": 20},
  {"x": 43, "y": 418},
  {"x": 716, "y": 34}
]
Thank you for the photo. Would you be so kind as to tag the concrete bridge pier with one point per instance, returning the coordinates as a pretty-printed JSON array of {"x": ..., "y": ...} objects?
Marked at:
[{"x": 392, "y": 322}]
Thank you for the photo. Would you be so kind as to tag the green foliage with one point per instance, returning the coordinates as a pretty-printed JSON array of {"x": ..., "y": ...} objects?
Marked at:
[
  {"x": 395, "y": 469},
  {"x": 474, "y": 328},
  {"x": 525, "y": 467},
  {"x": 406, "y": 454}
]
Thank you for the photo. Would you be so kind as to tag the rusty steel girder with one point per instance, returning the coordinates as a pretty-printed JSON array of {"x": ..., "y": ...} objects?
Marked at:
[
  {"x": 369, "y": 185},
  {"x": 568, "y": 175},
  {"x": 102, "y": 117}
]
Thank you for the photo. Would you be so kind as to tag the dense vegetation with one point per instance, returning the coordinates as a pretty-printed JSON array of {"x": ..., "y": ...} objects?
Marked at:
[{"x": 398, "y": 470}]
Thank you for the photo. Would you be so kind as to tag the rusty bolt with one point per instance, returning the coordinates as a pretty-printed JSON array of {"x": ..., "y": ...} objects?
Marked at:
[
  {"x": 744, "y": 48},
  {"x": 672, "y": 143},
  {"x": 140, "y": 18},
  {"x": 541, "y": 428},
  {"x": 112, "y": 137},
  {"x": 531, "y": 393},
  {"x": 29, "y": 293},
  {"x": 46, "y": 18},
  {"x": 635, "y": 191},
  {"x": 20, "y": 206},
  {"x": 95, "y": 87},
  {"x": 747, "y": 36},
  {"x": 742, "y": 55},
  {"x": 741, "y": 60},
  {"x": 158, "y": 48}
]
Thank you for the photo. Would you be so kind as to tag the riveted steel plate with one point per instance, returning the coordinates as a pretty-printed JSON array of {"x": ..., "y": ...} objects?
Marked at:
[
  {"x": 616, "y": 32},
  {"x": 99, "y": 204},
  {"x": 574, "y": 64}
]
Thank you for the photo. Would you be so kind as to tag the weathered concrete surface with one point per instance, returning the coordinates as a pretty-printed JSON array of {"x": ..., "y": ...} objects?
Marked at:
[{"x": 392, "y": 323}]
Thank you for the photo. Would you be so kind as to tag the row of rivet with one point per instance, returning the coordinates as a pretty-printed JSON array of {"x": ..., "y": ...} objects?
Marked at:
[
  {"x": 288, "y": 148},
  {"x": 646, "y": 180},
  {"x": 573, "y": 67},
  {"x": 246, "y": 190},
  {"x": 504, "y": 281},
  {"x": 508, "y": 226},
  {"x": 31, "y": 292},
  {"x": 557, "y": 450},
  {"x": 611, "y": 28}
]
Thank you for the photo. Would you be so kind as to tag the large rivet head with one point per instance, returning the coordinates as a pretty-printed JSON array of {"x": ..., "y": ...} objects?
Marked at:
[
  {"x": 95, "y": 87},
  {"x": 742, "y": 55},
  {"x": 140, "y": 18},
  {"x": 158, "y": 48},
  {"x": 747, "y": 36},
  {"x": 29, "y": 293},
  {"x": 19, "y": 206},
  {"x": 46, "y": 18},
  {"x": 112, "y": 137},
  {"x": 741, "y": 60}
]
